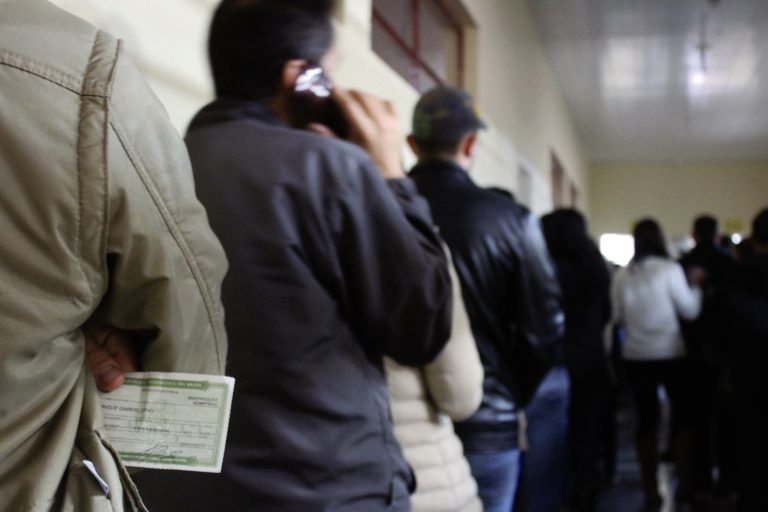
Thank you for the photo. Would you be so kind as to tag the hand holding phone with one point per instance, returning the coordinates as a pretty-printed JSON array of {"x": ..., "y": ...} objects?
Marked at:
[
  {"x": 314, "y": 104},
  {"x": 374, "y": 127},
  {"x": 361, "y": 118}
]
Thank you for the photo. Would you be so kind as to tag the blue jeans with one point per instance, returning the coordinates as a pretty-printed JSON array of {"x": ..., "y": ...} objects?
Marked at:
[
  {"x": 496, "y": 475},
  {"x": 546, "y": 462}
]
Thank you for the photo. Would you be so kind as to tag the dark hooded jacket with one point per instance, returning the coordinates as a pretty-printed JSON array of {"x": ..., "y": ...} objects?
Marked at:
[{"x": 331, "y": 268}]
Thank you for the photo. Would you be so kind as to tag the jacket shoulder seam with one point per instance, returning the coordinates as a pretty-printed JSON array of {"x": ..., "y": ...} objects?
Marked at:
[
  {"x": 172, "y": 224},
  {"x": 96, "y": 89},
  {"x": 100, "y": 72},
  {"x": 41, "y": 70},
  {"x": 45, "y": 297}
]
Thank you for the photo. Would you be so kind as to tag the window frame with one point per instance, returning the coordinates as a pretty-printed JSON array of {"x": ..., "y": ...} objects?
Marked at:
[
  {"x": 413, "y": 51},
  {"x": 558, "y": 182}
]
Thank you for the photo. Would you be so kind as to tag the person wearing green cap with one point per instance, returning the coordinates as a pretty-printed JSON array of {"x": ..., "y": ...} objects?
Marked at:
[{"x": 508, "y": 282}]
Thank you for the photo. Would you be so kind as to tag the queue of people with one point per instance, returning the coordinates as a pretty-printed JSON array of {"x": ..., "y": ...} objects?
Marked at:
[
  {"x": 694, "y": 327},
  {"x": 400, "y": 341}
]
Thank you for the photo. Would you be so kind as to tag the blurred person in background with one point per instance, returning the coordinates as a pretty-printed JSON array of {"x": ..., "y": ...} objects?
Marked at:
[
  {"x": 726, "y": 243},
  {"x": 585, "y": 284},
  {"x": 709, "y": 351},
  {"x": 334, "y": 263},
  {"x": 648, "y": 296},
  {"x": 747, "y": 305}
]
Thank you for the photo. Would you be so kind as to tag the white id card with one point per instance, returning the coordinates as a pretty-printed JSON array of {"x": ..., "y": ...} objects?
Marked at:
[{"x": 169, "y": 420}]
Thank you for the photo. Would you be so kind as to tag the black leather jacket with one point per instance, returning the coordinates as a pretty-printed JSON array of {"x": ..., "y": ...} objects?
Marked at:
[{"x": 509, "y": 287}]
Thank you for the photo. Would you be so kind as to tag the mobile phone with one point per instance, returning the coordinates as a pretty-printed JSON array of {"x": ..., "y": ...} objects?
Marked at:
[{"x": 313, "y": 103}]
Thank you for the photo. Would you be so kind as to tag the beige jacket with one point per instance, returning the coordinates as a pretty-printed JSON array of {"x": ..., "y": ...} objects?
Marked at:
[
  {"x": 99, "y": 220},
  {"x": 424, "y": 401}
]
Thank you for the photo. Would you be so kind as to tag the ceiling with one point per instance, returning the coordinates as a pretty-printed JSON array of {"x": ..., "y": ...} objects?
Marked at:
[{"x": 637, "y": 87}]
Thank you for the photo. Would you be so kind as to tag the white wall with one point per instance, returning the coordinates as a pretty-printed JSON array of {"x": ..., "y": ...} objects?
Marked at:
[
  {"x": 675, "y": 193},
  {"x": 166, "y": 39}
]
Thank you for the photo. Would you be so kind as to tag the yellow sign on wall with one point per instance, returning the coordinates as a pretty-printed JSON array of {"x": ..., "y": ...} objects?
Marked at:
[{"x": 733, "y": 225}]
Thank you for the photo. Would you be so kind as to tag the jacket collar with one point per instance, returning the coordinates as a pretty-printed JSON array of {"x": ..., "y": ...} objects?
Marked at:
[
  {"x": 440, "y": 168},
  {"x": 223, "y": 110}
]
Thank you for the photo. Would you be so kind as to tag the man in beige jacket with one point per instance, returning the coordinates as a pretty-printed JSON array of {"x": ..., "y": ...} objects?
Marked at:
[{"x": 100, "y": 225}]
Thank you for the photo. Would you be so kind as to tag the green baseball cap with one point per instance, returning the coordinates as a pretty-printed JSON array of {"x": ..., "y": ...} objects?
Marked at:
[{"x": 445, "y": 114}]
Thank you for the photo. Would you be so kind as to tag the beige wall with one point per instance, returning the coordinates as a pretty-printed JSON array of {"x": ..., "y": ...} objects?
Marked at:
[
  {"x": 508, "y": 73},
  {"x": 674, "y": 193},
  {"x": 517, "y": 90}
]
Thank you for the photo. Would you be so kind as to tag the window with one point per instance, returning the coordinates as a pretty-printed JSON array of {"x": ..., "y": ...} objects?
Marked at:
[
  {"x": 617, "y": 248},
  {"x": 421, "y": 39},
  {"x": 574, "y": 196},
  {"x": 558, "y": 183},
  {"x": 525, "y": 184}
]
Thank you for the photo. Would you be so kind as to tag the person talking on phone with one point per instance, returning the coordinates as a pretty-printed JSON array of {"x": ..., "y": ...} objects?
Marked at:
[{"x": 334, "y": 262}]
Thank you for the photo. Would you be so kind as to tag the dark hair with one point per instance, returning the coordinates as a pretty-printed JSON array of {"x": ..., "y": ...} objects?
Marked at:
[
  {"x": 433, "y": 148},
  {"x": 581, "y": 269},
  {"x": 565, "y": 230},
  {"x": 251, "y": 40},
  {"x": 760, "y": 227},
  {"x": 649, "y": 240},
  {"x": 705, "y": 229},
  {"x": 725, "y": 242}
]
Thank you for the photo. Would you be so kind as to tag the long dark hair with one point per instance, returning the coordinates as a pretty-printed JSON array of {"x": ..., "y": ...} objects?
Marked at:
[
  {"x": 251, "y": 40},
  {"x": 565, "y": 230},
  {"x": 582, "y": 270},
  {"x": 649, "y": 240}
]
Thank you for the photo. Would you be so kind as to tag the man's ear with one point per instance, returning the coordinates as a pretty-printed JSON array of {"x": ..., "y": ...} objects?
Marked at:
[
  {"x": 469, "y": 145},
  {"x": 291, "y": 71},
  {"x": 412, "y": 144}
]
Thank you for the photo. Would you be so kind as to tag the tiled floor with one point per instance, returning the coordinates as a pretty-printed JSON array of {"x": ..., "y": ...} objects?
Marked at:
[{"x": 625, "y": 494}]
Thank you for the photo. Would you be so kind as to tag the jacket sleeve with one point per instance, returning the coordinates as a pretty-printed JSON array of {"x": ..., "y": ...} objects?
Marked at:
[
  {"x": 395, "y": 277},
  {"x": 455, "y": 379},
  {"x": 541, "y": 317},
  {"x": 687, "y": 300},
  {"x": 163, "y": 263}
]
